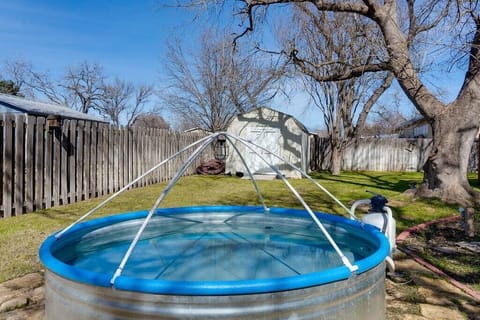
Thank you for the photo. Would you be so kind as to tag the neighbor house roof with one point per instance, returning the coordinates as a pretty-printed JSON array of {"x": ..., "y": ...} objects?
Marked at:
[
  {"x": 14, "y": 104},
  {"x": 418, "y": 120}
]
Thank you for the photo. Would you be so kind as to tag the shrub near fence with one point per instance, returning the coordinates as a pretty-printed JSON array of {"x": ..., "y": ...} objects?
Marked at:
[
  {"x": 380, "y": 154},
  {"x": 44, "y": 167}
]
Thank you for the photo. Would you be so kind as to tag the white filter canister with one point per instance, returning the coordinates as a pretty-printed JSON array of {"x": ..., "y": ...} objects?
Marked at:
[{"x": 385, "y": 223}]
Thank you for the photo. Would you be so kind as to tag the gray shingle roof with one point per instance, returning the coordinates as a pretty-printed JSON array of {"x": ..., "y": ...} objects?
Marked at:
[{"x": 14, "y": 104}]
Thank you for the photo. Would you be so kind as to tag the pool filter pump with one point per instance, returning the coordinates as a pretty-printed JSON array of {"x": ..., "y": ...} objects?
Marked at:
[{"x": 380, "y": 216}]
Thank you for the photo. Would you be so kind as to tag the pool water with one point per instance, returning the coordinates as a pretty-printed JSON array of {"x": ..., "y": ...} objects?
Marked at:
[{"x": 215, "y": 246}]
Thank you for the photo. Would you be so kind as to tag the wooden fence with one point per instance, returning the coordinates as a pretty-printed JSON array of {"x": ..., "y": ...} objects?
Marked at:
[
  {"x": 44, "y": 166},
  {"x": 375, "y": 154}
]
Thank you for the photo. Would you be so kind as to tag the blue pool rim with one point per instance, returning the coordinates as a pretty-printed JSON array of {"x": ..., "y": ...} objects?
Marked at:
[{"x": 211, "y": 288}]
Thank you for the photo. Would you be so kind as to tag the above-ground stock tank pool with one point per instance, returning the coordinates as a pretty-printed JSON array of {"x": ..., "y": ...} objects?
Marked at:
[{"x": 216, "y": 262}]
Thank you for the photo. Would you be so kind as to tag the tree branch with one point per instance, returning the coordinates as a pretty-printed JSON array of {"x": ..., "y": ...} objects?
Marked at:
[
  {"x": 250, "y": 5},
  {"x": 471, "y": 84},
  {"x": 377, "y": 93},
  {"x": 418, "y": 23},
  {"x": 347, "y": 73}
]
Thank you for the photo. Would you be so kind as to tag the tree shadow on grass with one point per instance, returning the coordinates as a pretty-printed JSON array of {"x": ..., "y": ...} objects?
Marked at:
[
  {"x": 401, "y": 183},
  {"x": 406, "y": 217},
  {"x": 278, "y": 195}
]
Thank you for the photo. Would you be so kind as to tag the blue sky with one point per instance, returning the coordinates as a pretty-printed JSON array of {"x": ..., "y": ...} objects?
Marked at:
[{"x": 126, "y": 37}]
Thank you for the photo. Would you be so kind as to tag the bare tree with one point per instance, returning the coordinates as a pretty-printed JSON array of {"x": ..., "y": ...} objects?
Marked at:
[
  {"x": 403, "y": 24},
  {"x": 121, "y": 98},
  {"x": 18, "y": 72},
  {"x": 344, "y": 104},
  {"x": 84, "y": 86},
  {"x": 150, "y": 120},
  {"x": 114, "y": 100},
  {"x": 32, "y": 83},
  {"x": 142, "y": 96},
  {"x": 80, "y": 88},
  {"x": 42, "y": 83},
  {"x": 208, "y": 90},
  {"x": 387, "y": 117}
]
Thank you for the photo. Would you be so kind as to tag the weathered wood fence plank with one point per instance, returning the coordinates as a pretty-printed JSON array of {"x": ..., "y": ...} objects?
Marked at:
[
  {"x": 8, "y": 168},
  {"x": 87, "y": 158},
  {"x": 19, "y": 147},
  {"x": 39, "y": 163},
  {"x": 57, "y": 145},
  {"x": 64, "y": 164},
  {"x": 94, "y": 159},
  {"x": 48, "y": 168},
  {"x": 29, "y": 163},
  {"x": 80, "y": 161},
  {"x": 71, "y": 131}
]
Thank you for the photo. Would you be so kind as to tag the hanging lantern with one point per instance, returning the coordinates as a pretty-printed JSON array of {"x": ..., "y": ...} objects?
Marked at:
[{"x": 220, "y": 150}]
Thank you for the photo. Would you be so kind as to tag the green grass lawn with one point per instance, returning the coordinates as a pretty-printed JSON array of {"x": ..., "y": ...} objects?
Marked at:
[{"x": 20, "y": 237}]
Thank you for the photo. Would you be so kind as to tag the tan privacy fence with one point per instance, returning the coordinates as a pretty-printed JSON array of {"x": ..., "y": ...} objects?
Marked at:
[
  {"x": 380, "y": 154},
  {"x": 45, "y": 166}
]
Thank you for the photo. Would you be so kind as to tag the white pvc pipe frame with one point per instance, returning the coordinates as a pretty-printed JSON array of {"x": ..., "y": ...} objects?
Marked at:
[{"x": 204, "y": 143}]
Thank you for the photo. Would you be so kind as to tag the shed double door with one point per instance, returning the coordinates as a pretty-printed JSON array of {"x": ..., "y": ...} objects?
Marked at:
[{"x": 268, "y": 138}]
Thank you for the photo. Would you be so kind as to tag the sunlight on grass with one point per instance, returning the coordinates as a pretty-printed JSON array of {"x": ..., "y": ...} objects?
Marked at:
[{"x": 20, "y": 237}]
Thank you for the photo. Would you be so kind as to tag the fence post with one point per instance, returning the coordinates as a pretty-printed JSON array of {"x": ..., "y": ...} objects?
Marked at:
[
  {"x": 39, "y": 163},
  {"x": 64, "y": 162},
  {"x": 29, "y": 163},
  {"x": 8, "y": 169},
  {"x": 93, "y": 162},
  {"x": 19, "y": 163}
]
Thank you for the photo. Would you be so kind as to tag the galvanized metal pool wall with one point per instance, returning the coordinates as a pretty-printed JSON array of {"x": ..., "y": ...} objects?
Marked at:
[{"x": 357, "y": 298}]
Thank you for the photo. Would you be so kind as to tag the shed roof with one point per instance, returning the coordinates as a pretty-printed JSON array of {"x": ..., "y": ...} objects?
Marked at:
[
  {"x": 287, "y": 116},
  {"x": 14, "y": 104}
]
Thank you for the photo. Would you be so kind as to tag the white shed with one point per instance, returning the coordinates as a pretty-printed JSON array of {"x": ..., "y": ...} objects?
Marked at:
[{"x": 275, "y": 131}]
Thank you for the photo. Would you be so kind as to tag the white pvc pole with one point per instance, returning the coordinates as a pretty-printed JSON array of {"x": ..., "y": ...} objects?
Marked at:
[
  {"x": 131, "y": 183},
  {"x": 303, "y": 173},
  {"x": 162, "y": 196},
  {"x": 257, "y": 189},
  {"x": 344, "y": 259}
]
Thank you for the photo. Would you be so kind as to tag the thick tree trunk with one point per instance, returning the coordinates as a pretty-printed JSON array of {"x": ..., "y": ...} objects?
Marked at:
[
  {"x": 445, "y": 172},
  {"x": 336, "y": 165}
]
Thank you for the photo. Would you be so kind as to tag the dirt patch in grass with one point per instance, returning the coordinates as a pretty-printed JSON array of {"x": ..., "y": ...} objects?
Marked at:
[{"x": 445, "y": 245}]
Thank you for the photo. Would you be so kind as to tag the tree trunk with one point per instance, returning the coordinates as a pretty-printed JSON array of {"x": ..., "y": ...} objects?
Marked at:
[
  {"x": 445, "y": 172},
  {"x": 336, "y": 165}
]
